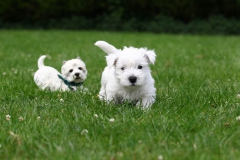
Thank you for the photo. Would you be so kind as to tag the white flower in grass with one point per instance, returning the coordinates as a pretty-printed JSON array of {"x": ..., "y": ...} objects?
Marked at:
[
  {"x": 95, "y": 115},
  {"x": 120, "y": 154},
  {"x": 4, "y": 73},
  {"x": 8, "y": 117},
  {"x": 111, "y": 120},
  {"x": 160, "y": 157},
  {"x": 20, "y": 118},
  {"x": 38, "y": 118},
  {"x": 61, "y": 100},
  {"x": 195, "y": 146},
  {"x": 238, "y": 118},
  {"x": 238, "y": 96},
  {"x": 84, "y": 132}
]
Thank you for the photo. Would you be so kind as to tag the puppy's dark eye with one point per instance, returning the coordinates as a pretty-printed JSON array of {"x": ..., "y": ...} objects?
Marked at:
[
  {"x": 80, "y": 68},
  {"x": 70, "y": 70},
  {"x": 122, "y": 68},
  {"x": 139, "y": 67}
]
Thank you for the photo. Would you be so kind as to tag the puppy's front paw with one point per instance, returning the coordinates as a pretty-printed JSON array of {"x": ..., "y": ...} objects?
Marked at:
[{"x": 146, "y": 102}]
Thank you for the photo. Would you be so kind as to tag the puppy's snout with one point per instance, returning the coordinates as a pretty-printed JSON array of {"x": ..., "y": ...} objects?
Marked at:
[
  {"x": 77, "y": 74},
  {"x": 132, "y": 79}
]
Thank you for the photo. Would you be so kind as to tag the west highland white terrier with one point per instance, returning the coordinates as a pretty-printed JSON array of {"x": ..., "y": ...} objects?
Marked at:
[
  {"x": 127, "y": 76},
  {"x": 74, "y": 72}
]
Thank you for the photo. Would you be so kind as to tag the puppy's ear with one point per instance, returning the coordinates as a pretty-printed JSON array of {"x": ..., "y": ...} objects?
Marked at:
[
  {"x": 78, "y": 58},
  {"x": 64, "y": 62},
  {"x": 150, "y": 56},
  {"x": 106, "y": 47},
  {"x": 111, "y": 60}
]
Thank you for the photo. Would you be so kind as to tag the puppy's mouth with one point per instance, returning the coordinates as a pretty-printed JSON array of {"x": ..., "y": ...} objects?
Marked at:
[{"x": 77, "y": 79}]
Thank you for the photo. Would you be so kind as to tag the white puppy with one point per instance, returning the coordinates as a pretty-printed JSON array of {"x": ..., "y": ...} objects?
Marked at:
[
  {"x": 127, "y": 76},
  {"x": 74, "y": 72}
]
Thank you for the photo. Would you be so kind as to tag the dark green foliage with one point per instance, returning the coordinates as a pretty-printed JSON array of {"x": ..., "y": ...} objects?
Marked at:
[{"x": 186, "y": 16}]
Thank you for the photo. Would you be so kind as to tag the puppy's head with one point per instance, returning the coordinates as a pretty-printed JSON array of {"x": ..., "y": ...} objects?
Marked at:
[
  {"x": 74, "y": 70},
  {"x": 132, "y": 65}
]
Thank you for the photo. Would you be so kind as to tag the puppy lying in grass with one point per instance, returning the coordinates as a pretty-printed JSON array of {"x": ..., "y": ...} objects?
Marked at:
[{"x": 74, "y": 73}]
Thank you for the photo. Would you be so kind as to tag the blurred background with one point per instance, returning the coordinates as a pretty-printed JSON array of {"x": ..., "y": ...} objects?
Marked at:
[{"x": 158, "y": 16}]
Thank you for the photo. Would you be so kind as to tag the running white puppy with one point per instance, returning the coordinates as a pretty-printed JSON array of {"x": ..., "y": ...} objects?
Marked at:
[
  {"x": 74, "y": 72},
  {"x": 127, "y": 76}
]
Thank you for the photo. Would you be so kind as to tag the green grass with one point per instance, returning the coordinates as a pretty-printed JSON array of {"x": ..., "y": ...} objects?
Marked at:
[{"x": 194, "y": 117}]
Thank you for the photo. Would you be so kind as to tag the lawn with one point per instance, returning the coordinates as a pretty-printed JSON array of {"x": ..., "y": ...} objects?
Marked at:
[{"x": 194, "y": 117}]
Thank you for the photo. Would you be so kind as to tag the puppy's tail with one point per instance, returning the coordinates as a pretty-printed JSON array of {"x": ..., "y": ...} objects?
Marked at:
[
  {"x": 41, "y": 61},
  {"x": 106, "y": 47}
]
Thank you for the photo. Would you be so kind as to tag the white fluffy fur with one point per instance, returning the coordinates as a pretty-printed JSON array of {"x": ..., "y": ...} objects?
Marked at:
[
  {"x": 47, "y": 77},
  {"x": 127, "y": 76}
]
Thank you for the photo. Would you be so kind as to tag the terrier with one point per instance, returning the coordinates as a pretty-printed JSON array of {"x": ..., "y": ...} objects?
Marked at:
[
  {"x": 74, "y": 73},
  {"x": 127, "y": 76}
]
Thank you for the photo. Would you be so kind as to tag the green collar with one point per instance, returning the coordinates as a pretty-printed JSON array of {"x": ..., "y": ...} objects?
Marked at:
[{"x": 69, "y": 84}]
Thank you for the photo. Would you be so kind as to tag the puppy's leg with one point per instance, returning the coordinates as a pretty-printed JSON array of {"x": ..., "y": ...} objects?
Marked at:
[
  {"x": 111, "y": 97},
  {"x": 102, "y": 93},
  {"x": 146, "y": 102}
]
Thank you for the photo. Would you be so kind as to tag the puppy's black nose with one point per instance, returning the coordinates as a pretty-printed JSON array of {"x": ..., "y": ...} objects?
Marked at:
[
  {"x": 132, "y": 79},
  {"x": 77, "y": 74}
]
